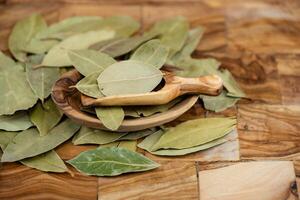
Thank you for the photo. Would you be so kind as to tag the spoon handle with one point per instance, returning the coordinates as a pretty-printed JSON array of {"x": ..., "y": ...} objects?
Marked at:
[{"x": 210, "y": 85}]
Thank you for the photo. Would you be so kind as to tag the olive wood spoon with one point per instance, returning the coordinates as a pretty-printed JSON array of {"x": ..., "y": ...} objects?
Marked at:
[{"x": 175, "y": 86}]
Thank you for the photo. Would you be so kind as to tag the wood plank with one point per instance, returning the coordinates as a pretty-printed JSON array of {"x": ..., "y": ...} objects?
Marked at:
[
  {"x": 267, "y": 180},
  {"x": 269, "y": 131},
  {"x": 21, "y": 182},
  {"x": 264, "y": 27},
  {"x": 171, "y": 180},
  {"x": 10, "y": 14},
  {"x": 289, "y": 71},
  {"x": 226, "y": 151},
  {"x": 208, "y": 15}
]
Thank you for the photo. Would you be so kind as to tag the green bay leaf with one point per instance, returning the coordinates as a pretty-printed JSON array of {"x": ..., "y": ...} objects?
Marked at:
[
  {"x": 41, "y": 79},
  {"x": 231, "y": 85},
  {"x": 218, "y": 103},
  {"x": 111, "y": 161},
  {"x": 128, "y": 77},
  {"x": 6, "y": 137},
  {"x": 45, "y": 116},
  {"x": 95, "y": 136},
  {"x": 138, "y": 134},
  {"x": 151, "y": 52},
  {"x": 149, "y": 141},
  {"x": 29, "y": 143},
  {"x": 58, "y": 55},
  {"x": 111, "y": 117},
  {"x": 70, "y": 26},
  {"x": 194, "y": 133},
  {"x": 17, "y": 122},
  {"x": 89, "y": 86},
  {"x": 47, "y": 162},
  {"x": 129, "y": 144},
  {"x": 22, "y": 33},
  {"x": 89, "y": 61}
]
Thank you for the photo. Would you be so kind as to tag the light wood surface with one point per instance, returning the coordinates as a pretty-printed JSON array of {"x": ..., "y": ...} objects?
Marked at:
[{"x": 257, "y": 40}]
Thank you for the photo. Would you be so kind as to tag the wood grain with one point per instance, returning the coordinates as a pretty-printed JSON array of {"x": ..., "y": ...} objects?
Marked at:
[
  {"x": 289, "y": 71},
  {"x": 248, "y": 181},
  {"x": 176, "y": 180},
  {"x": 19, "y": 183},
  {"x": 269, "y": 131}
]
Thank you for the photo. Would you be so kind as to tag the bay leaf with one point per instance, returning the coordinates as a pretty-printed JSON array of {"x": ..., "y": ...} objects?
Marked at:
[
  {"x": 111, "y": 161},
  {"x": 198, "y": 67},
  {"x": 41, "y": 79},
  {"x": 111, "y": 117},
  {"x": 89, "y": 86},
  {"x": 95, "y": 136},
  {"x": 138, "y": 134},
  {"x": 70, "y": 26},
  {"x": 190, "y": 44},
  {"x": 15, "y": 90},
  {"x": 128, "y": 144},
  {"x": 45, "y": 116},
  {"x": 47, "y": 162},
  {"x": 128, "y": 77},
  {"x": 194, "y": 133},
  {"x": 149, "y": 141},
  {"x": 123, "y": 26},
  {"x": 89, "y": 61},
  {"x": 17, "y": 122},
  {"x": 218, "y": 103},
  {"x": 174, "y": 32},
  {"x": 58, "y": 55},
  {"x": 231, "y": 85},
  {"x": 112, "y": 144},
  {"x": 36, "y": 46},
  {"x": 151, "y": 52},
  {"x": 22, "y": 33},
  {"x": 6, "y": 137},
  {"x": 29, "y": 143},
  {"x": 119, "y": 46}
]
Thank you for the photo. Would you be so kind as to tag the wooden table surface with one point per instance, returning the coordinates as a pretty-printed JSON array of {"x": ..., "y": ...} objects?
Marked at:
[{"x": 259, "y": 42}]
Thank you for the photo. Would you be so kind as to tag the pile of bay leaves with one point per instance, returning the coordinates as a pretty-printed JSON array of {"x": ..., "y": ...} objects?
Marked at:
[{"x": 103, "y": 50}]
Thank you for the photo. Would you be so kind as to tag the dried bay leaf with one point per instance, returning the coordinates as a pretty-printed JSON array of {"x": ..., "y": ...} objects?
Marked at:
[
  {"x": 89, "y": 86},
  {"x": 174, "y": 33},
  {"x": 231, "y": 85},
  {"x": 149, "y": 141},
  {"x": 15, "y": 90},
  {"x": 138, "y": 134},
  {"x": 17, "y": 122},
  {"x": 58, "y": 55},
  {"x": 128, "y": 77},
  {"x": 190, "y": 45},
  {"x": 194, "y": 133},
  {"x": 47, "y": 162},
  {"x": 70, "y": 26},
  {"x": 218, "y": 103},
  {"x": 29, "y": 143},
  {"x": 151, "y": 52},
  {"x": 6, "y": 137},
  {"x": 129, "y": 144},
  {"x": 22, "y": 33},
  {"x": 41, "y": 79},
  {"x": 36, "y": 46},
  {"x": 95, "y": 136},
  {"x": 89, "y": 61},
  {"x": 111, "y": 161},
  {"x": 45, "y": 116},
  {"x": 111, "y": 117}
]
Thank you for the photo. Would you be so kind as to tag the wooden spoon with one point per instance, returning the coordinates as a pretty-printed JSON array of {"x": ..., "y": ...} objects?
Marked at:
[
  {"x": 68, "y": 100},
  {"x": 174, "y": 86}
]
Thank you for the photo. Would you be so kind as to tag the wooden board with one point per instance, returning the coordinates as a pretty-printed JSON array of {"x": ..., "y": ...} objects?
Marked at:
[
  {"x": 248, "y": 181},
  {"x": 257, "y": 40}
]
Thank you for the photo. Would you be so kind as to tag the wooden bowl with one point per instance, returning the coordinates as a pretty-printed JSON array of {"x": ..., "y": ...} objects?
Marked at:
[{"x": 68, "y": 100}]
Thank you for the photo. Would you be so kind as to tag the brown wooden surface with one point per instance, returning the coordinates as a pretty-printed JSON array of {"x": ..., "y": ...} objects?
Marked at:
[{"x": 258, "y": 41}]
